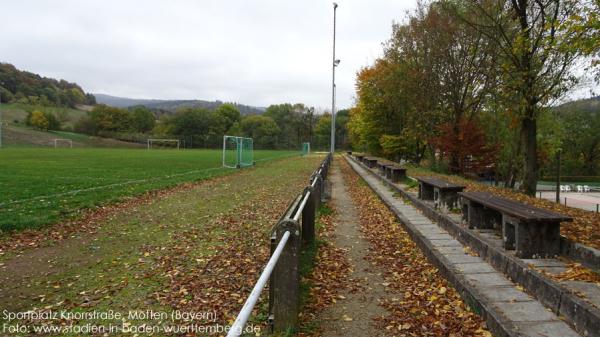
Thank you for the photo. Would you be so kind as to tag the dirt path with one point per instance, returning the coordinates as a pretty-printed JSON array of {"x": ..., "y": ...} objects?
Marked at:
[{"x": 354, "y": 312}]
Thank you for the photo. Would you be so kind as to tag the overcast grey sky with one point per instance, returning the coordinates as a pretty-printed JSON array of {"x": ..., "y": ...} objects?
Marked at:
[{"x": 256, "y": 52}]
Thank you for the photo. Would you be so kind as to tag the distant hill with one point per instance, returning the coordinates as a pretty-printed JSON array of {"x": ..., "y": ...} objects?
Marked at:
[
  {"x": 589, "y": 105},
  {"x": 170, "y": 105},
  {"x": 24, "y": 87}
]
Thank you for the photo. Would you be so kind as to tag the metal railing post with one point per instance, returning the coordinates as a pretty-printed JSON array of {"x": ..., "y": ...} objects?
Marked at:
[
  {"x": 308, "y": 218},
  {"x": 286, "y": 291},
  {"x": 318, "y": 190}
]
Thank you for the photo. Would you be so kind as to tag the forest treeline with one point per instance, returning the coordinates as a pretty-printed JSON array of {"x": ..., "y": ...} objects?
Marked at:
[
  {"x": 18, "y": 86},
  {"x": 281, "y": 126},
  {"x": 467, "y": 87}
]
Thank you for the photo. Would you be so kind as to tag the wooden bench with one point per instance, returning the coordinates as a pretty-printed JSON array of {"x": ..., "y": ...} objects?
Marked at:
[
  {"x": 371, "y": 162},
  {"x": 395, "y": 173},
  {"x": 382, "y": 165},
  {"x": 359, "y": 157},
  {"x": 349, "y": 153},
  {"x": 443, "y": 193},
  {"x": 531, "y": 231}
]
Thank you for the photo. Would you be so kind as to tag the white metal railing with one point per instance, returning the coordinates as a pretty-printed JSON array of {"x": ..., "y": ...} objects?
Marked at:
[
  {"x": 311, "y": 197},
  {"x": 240, "y": 322},
  {"x": 301, "y": 207}
]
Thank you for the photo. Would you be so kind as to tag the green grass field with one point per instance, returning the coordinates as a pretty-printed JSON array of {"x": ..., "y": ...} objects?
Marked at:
[
  {"x": 195, "y": 250},
  {"x": 41, "y": 185}
]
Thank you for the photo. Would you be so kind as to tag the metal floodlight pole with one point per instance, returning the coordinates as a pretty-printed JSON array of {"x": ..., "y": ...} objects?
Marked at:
[
  {"x": 0, "y": 119},
  {"x": 558, "y": 176},
  {"x": 333, "y": 65}
]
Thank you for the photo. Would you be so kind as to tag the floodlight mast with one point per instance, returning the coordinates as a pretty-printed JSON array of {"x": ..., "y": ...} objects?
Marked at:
[
  {"x": 334, "y": 64},
  {"x": 1, "y": 118}
]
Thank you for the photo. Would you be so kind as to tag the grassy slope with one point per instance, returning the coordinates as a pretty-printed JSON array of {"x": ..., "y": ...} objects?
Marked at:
[
  {"x": 199, "y": 249},
  {"x": 15, "y": 133},
  {"x": 39, "y": 184},
  {"x": 21, "y": 136},
  {"x": 16, "y": 112}
]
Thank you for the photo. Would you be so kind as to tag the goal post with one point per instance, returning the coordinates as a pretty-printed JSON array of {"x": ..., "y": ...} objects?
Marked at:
[
  {"x": 238, "y": 151},
  {"x": 152, "y": 142},
  {"x": 305, "y": 148},
  {"x": 58, "y": 141}
]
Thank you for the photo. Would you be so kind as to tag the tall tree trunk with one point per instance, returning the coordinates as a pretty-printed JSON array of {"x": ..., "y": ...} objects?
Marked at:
[
  {"x": 530, "y": 168},
  {"x": 455, "y": 166}
]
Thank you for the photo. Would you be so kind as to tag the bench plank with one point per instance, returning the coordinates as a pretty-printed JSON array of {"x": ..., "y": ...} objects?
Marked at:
[
  {"x": 440, "y": 183},
  {"x": 514, "y": 208}
]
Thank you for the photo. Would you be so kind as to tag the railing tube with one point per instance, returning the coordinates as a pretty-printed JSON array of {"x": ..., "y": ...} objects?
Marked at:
[
  {"x": 238, "y": 326},
  {"x": 284, "y": 277},
  {"x": 301, "y": 207}
]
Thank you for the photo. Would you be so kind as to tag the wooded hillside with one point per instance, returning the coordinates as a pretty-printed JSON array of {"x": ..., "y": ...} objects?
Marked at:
[{"x": 17, "y": 86}]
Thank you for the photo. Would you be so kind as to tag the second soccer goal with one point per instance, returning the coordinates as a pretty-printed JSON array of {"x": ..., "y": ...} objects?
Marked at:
[{"x": 238, "y": 151}]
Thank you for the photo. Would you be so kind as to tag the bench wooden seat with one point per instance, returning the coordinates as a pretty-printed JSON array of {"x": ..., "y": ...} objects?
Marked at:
[
  {"x": 531, "y": 231},
  {"x": 359, "y": 156},
  {"x": 395, "y": 173},
  {"x": 371, "y": 162},
  {"x": 443, "y": 193},
  {"x": 382, "y": 164}
]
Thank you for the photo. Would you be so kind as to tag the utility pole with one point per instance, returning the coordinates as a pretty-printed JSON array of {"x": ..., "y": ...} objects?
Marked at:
[
  {"x": 0, "y": 119},
  {"x": 558, "y": 176},
  {"x": 334, "y": 64}
]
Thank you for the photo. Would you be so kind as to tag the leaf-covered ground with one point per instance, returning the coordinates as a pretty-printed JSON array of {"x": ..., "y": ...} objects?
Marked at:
[
  {"x": 327, "y": 279},
  {"x": 584, "y": 229},
  {"x": 430, "y": 306},
  {"x": 196, "y": 248}
]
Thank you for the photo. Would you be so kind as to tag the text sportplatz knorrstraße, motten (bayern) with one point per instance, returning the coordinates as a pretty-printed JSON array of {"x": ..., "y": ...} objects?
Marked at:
[{"x": 175, "y": 315}]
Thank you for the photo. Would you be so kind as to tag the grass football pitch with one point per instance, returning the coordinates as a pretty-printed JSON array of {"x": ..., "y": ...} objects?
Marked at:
[{"x": 40, "y": 185}]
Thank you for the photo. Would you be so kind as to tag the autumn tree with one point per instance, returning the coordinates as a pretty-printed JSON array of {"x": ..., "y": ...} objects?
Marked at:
[
  {"x": 38, "y": 120},
  {"x": 469, "y": 148},
  {"x": 192, "y": 122},
  {"x": 262, "y": 129},
  {"x": 228, "y": 114},
  {"x": 142, "y": 119},
  {"x": 535, "y": 49},
  {"x": 435, "y": 70},
  {"x": 107, "y": 118},
  {"x": 381, "y": 105},
  {"x": 463, "y": 60}
]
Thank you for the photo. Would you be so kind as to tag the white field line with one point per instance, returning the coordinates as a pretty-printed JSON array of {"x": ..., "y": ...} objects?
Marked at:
[
  {"x": 106, "y": 186},
  {"x": 129, "y": 182}
]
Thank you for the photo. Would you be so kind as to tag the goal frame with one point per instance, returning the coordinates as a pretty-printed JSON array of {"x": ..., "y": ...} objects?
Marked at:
[
  {"x": 239, "y": 151},
  {"x": 69, "y": 141},
  {"x": 152, "y": 140},
  {"x": 307, "y": 146}
]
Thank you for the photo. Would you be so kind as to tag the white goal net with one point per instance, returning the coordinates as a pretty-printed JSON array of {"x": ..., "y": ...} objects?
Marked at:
[
  {"x": 238, "y": 151},
  {"x": 59, "y": 142}
]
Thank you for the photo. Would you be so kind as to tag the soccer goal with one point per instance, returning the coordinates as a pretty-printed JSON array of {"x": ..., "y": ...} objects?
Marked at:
[
  {"x": 305, "y": 149},
  {"x": 154, "y": 143},
  {"x": 60, "y": 142},
  {"x": 238, "y": 151}
]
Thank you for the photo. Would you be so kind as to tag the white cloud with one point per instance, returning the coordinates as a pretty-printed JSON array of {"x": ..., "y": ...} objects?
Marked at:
[{"x": 257, "y": 52}]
